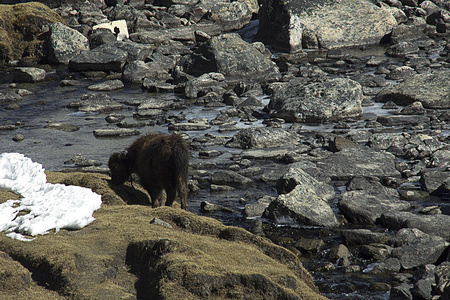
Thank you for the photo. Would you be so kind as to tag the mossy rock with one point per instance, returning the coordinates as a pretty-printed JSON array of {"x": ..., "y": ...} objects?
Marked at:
[
  {"x": 123, "y": 255},
  {"x": 21, "y": 31}
]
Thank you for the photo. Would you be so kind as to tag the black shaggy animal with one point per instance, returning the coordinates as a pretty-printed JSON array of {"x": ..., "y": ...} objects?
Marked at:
[{"x": 162, "y": 163}]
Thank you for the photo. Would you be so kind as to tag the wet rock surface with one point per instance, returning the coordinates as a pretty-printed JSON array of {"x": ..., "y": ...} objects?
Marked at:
[{"x": 341, "y": 156}]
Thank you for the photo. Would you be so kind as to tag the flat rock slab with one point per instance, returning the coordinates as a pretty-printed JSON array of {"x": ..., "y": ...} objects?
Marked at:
[
  {"x": 188, "y": 126},
  {"x": 432, "y": 224},
  {"x": 351, "y": 162},
  {"x": 430, "y": 89},
  {"x": 113, "y": 132},
  {"x": 266, "y": 137},
  {"x": 362, "y": 208},
  {"x": 108, "y": 85},
  {"x": 103, "y": 58},
  {"x": 296, "y": 24},
  {"x": 28, "y": 74}
]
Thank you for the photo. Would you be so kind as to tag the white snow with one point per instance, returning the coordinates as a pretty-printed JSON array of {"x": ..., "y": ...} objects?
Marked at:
[{"x": 45, "y": 206}]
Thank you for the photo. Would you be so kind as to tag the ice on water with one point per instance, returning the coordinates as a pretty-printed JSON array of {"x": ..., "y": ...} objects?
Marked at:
[{"x": 47, "y": 206}]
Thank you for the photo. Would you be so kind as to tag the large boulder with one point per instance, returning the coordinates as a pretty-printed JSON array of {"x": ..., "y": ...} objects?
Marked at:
[
  {"x": 21, "y": 29},
  {"x": 230, "y": 55},
  {"x": 293, "y": 25},
  {"x": 135, "y": 250},
  {"x": 65, "y": 43},
  {"x": 430, "y": 89},
  {"x": 317, "y": 102},
  {"x": 296, "y": 176},
  {"x": 302, "y": 205}
]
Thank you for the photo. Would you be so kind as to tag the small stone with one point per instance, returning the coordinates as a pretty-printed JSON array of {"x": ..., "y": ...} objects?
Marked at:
[
  {"x": 18, "y": 137},
  {"x": 158, "y": 221}
]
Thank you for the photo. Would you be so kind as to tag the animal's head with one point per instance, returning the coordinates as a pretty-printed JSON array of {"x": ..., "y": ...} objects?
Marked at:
[{"x": 119, "y": 165}]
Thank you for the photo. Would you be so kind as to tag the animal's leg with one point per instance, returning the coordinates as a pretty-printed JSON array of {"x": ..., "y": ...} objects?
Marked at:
[
  {"x": 182, "y": 192},
  {"x": 156, "y": 195},
  {"x": 171, "y": 194}
]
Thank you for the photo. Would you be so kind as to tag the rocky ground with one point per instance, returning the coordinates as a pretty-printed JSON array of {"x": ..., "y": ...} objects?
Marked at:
[{"x": 361, "y": 195}]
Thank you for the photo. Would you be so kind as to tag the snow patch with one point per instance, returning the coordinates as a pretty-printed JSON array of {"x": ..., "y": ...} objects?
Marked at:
[{"x": 44, "y": 206}]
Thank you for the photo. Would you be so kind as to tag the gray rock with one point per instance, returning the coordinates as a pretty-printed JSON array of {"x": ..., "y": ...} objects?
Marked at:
[
  {"x": 80, "y": 161},
  {"x": 267, "y": 153},
  {"x": 433, "y": 181},
  {"x": 233, "y": 57},
  {"x": 401, "y": 292},
  {"x": 399, "y": 120},
  {"x": 296, "y": 176},
  {"x": 431, "y": 89},
  {"x": 317, "y": 102},
  {"x": 115, "y": 132},
  {"x": 189, "y": 126},
  {"x": 63, "y": 127},
  {"x": 390, "y": 265},
  {"x": 258, "y": 208},
  {"x": 101, "y": 36},
  {"x": 363, "y": 236},
  {"x": 108, "y": 85},
  {"x": 352, "y": 162},
  {"x": 402, "y": 48},
  {"x": 65, "y": 43},
  {"x": 439, "y": 158},
  {"x": 160, "y": 222},
  {"x": 18, "y": 137},
  {"x": 431, "y": 224},
  {"x": 359, "y": 207},
  {"x": 9, "y": 96},
  {"x": 415, "y": 108},
  {"x": 28, "y": 74},
  {"x": 423, "y": 249},
  {"x": 375, "y": 251},
  {"x": 383, "y": 141},
  {"x": 293, "y": 25},
  {"x": 301, "y": 205},
  {"x": 95, "y": 103},
  {"x": 422, "y": 289},
  {"x": 203, "y": 84},
  {"x": 103, "y": 58},
  {"x": 184, "y": 33},
  {"x": 230, "y": 178},
  {"x": 259, "y": 138},
  {"x": 443, "y": 278},
  {"x": 230, "y": 15}
]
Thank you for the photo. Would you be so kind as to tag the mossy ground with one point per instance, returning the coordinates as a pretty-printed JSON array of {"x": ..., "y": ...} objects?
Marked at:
[
  {"x": 21, "y": 31},
  {"x": 122, "y": 254}
]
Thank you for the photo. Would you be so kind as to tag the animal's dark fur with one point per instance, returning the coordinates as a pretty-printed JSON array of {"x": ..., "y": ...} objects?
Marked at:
[{"x": 162, "y": 163}]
